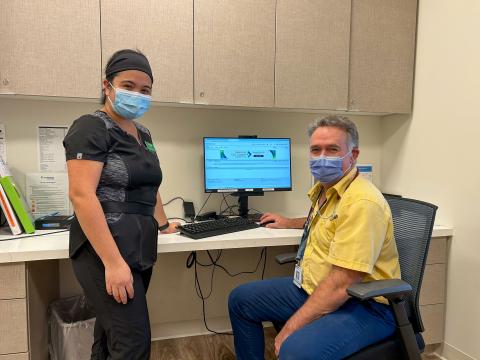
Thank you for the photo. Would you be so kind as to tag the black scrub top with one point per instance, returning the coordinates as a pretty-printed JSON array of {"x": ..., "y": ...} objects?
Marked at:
[{"x": 131, "y": 173}]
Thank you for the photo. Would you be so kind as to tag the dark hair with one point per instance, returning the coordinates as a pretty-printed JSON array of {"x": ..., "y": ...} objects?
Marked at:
[
  {"x": 110, "y": 78},
  {"x": 109, "y": 75}
]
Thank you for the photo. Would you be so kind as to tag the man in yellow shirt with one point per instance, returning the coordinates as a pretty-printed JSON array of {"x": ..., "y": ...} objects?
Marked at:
[{"x": 348, "y": 238}]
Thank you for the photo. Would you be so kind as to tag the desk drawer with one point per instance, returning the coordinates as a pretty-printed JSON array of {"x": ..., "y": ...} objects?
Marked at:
[
  {"x": 12, "y": 281},
  {"x": 433, "y": 317},
  {"x": 19, "y": 356},
  {"x": 437, "y": 253},
  {"x": 433, "y": 285},
  {"x": 13, "y": 326}
]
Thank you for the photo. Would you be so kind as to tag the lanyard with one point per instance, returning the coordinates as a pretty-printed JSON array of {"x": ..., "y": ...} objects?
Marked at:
[
  {"x": 306, "y": 229},
  {"x": 310, "y": 218}
]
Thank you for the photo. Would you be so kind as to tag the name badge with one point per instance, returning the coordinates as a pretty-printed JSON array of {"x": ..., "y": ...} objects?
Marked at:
[{"x": 297, "y": 276}]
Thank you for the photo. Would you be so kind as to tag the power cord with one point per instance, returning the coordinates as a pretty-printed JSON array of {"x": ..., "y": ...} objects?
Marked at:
[
  {"x": 35, "y": 235},
  {"x": 257, "y": 211},
  {"x": 192, "y": 260},
  {"x": 229, "y": 207},
  {"x": 200, "y": 211},
  {"x": 172, "y": 200}
]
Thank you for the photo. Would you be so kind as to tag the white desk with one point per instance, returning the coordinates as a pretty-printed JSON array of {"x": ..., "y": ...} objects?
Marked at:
[{"x": 53, "y": 245}]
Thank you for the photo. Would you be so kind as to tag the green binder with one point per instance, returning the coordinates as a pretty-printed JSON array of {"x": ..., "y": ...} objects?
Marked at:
[{"x": 18, "y": 203}]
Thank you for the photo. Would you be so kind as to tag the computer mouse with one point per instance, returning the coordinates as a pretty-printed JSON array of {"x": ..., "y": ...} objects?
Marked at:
[{"x": 265, "y": 223}]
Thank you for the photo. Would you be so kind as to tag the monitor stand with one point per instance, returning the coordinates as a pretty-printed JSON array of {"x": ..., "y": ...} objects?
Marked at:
[{"x": 243, "y": 203}]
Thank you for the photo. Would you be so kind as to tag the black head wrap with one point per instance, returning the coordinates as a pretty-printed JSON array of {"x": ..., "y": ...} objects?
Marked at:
[{"x": 128, "y": 61}]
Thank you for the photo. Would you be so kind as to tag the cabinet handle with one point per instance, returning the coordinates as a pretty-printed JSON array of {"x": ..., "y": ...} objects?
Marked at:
[
  {"x": 6, "y": 82},
  {"x": 202, "y": 94}
]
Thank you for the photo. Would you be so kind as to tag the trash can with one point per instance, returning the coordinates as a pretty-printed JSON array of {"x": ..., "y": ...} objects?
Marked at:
[{"x": 71, "y": 323}]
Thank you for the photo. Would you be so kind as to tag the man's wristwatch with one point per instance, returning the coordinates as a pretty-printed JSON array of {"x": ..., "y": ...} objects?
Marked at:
[{"x": 164, "y": 226}]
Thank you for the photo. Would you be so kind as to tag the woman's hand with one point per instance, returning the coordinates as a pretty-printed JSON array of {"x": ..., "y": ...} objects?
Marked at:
[
  {"x": 172, "y": 228},
  {"x": 119, "y": 282}
]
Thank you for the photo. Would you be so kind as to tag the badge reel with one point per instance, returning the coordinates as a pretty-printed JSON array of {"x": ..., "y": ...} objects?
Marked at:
[{"x": 297, "y": 276}]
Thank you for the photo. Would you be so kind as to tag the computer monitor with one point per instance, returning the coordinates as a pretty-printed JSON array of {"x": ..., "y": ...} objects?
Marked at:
[{"x": 247, "y": 166}]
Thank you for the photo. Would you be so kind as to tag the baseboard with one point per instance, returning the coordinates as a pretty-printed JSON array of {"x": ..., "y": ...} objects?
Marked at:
[
  {"x": 180, "y": 329},
  {"x": 450, "y": 352}
]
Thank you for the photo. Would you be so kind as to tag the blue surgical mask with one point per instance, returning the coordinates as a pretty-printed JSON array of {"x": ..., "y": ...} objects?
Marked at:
[
  {"x": 130, "y": 104},
  {"x": 327, "y": 169}
]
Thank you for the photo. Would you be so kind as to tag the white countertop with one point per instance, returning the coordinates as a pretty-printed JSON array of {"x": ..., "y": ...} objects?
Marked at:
[{"x": 44, "y": 245}]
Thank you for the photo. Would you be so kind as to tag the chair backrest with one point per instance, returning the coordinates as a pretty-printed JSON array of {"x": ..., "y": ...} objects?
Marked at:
[{"x": 412, "y": 225}]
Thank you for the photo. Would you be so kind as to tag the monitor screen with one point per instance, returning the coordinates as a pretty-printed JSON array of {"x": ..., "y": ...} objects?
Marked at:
[{"x": 247, "y": 164}]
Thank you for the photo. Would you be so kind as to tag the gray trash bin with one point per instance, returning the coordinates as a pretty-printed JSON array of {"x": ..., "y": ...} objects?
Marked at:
[{"x": 71, "y": 323}]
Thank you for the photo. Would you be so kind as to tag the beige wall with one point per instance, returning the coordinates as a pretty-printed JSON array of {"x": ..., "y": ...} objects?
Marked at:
[
  {"x": 178, "y": 133},
  {"x": 432, "y": 155}
]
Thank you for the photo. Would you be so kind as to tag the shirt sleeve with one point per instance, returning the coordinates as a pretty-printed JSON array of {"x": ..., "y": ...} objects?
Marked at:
[
  {"x": 359, "y": 236},
  {"x": 87, "y": 139}
]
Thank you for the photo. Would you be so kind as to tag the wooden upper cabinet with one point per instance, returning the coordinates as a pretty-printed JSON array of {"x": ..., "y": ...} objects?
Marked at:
[
  {"x": 50, "y": 48},
  {"x": 312, "y": 54},
  {"x": 163, "y": 31},
  {"x": 234, "y": 52},
  {"x": 382, "y": 53}
]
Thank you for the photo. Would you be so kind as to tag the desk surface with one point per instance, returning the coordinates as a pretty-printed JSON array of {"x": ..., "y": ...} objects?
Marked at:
[{"x": 54, "y": 245}]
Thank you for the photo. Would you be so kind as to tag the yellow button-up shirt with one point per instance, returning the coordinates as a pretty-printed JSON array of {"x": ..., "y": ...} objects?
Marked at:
[{"x": 352, "y": 230}]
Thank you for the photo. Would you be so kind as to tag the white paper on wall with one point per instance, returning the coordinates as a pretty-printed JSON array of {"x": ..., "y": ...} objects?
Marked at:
[
  {"x": 51, "y": 154},
  {"x": 47, "y": 193},
  {"x": 366, "y": 171}
]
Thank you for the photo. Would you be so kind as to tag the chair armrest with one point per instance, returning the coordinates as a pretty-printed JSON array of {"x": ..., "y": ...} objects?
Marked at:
[
  {"x": 391, "y": 289},
  {"x": 285, "y": 258}
]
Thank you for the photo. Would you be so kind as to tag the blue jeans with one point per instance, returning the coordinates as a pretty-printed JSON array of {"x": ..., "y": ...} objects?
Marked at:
[{"x": 352, "y": 327}]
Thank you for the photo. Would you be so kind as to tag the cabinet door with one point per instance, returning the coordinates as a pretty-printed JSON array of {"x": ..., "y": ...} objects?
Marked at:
[
  {"x": 312, "y": 54},
  {"x": 163, "y": 31},
  {"x": 382, "y": 54},
  {"x": 234, "y": 52},
  {"x": 433, "y": 318},
  {"x": 51, "y": 48},
  {"x": 3, "y": 44},
  {"x": 12, "y": 281},
  {"x": 13, "y": 326}
]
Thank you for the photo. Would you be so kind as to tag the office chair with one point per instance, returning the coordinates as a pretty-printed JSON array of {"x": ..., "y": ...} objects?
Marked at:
[{"x": 413, "y": 224}]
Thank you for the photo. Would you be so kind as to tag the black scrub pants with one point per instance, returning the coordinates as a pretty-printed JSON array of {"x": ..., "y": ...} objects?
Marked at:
[{"x": 122, "y": 332}]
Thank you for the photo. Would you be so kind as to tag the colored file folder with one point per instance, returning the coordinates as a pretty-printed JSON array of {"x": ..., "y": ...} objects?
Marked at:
[
  {"x": 16, "y": 199},
  {"x": 12, "y": 220}
]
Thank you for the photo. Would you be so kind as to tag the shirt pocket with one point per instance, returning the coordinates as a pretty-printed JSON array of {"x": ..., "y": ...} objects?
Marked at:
[{"x": 324, "y": 234}]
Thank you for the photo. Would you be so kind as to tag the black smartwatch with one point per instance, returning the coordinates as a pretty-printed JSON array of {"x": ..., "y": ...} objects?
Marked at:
[{"x": 164, "y": 226}]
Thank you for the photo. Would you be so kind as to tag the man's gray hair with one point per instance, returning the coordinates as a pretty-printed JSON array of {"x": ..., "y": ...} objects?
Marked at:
[{"x": 340, "y": 122}]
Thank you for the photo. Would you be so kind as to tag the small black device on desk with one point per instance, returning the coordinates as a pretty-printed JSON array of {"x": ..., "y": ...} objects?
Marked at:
[
  {"x": 52, "y": 222},
  {"x": 216, "y": 227}
]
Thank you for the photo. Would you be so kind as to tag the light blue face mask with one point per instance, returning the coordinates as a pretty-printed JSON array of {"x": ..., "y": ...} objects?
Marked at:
[
  {"x": 327, "y": 169},
  {"x": 130, "y": 104}
]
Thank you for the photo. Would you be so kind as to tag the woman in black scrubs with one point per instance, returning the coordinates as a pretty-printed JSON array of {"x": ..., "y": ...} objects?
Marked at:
[{"x": 114, "y": 175}]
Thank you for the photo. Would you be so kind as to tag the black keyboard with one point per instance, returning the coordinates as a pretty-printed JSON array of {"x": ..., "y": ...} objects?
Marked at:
[{"x": 216, "y": 227}]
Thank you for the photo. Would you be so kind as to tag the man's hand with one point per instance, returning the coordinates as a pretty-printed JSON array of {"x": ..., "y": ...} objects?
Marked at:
[
  {"x": 329, "y": 295},
  {"x": 281, "y": 337},
  {"x": 276, "y": 221},
  {"x": 119, "y": 282}
]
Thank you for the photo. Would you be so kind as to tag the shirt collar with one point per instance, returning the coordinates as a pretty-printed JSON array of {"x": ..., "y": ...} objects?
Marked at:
[{"x": 340, "y": 187}]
